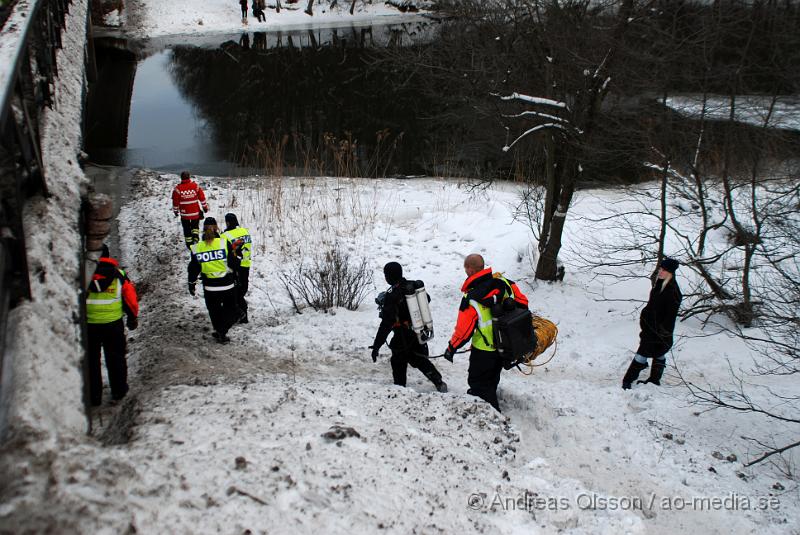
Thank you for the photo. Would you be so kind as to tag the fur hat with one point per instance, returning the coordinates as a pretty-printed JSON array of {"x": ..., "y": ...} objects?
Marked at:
[
  {"x": 669, "y": 264},
  {"x": 393, "y": 272}
]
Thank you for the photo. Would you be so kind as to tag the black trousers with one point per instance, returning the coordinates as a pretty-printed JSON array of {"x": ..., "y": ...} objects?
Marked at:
[
  {"x": 191, "y": 231},
  {"x": 407, "y": 351},
  {"x": 110, "y": 338},
  {"x": 243, "y": 284},
  {"x": 484, "y": 375},
  {"x": 222, "y": 309}
]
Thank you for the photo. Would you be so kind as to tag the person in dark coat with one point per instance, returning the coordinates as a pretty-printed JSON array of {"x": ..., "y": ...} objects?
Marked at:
[
  {"x": 657, "y": 323},
  {"x": 406, "y": 348},
  {"x": 258, "y": 10}
]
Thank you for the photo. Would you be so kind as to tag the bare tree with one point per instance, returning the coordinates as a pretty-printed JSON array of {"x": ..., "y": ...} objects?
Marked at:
[
  {"x": 578, "y": 46},
  {"x": 726, "y": 200}
]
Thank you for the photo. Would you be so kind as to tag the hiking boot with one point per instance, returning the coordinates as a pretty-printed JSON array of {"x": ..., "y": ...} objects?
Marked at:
[
  {"x": 632, "y": 374},
  {"x": 223, "y": 339},
  {"x": 656, "y": 371},
  {"x": 441, "y": 386},
  {"x": 220, "y": 338}
]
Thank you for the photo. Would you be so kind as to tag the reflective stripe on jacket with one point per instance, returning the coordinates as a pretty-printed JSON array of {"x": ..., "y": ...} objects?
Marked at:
[
  {"x": 483, "y": 335},
  {"x": 213, "y": 260},
  {"x": 188, "y": 199}
]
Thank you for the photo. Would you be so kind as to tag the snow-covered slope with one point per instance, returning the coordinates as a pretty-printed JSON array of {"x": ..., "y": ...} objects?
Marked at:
[
  {"x": 584, "y": 455},
  {"x": 230, "y": 438}
]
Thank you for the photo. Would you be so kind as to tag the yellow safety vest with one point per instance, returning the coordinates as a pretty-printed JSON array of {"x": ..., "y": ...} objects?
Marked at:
[
  {"x": 244, "y": 234},
  {"x": 105, "y": 307},
  {"x": 483, "y": 335},
  {"x": 213, "y": 258}
]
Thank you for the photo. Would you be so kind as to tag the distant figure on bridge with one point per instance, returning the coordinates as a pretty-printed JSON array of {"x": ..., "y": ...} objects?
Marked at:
[
  {"x": 258, "y": 10},
  {"x": 110, "y": 296},
  {"x": 189, "y": 201},
  {"x": 243, "y": 4}
]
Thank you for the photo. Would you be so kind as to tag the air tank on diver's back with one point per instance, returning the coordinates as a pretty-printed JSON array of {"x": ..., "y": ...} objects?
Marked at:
[{"x": 419, "y": 310}]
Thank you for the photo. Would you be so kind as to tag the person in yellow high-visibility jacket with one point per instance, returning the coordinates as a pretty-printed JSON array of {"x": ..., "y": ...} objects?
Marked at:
[
  {"x": 214, "y": 261},
  {"x": 110, "y": 295},
  {"x": 242, "y": 243},
  {"x": 481, "y": 291}
]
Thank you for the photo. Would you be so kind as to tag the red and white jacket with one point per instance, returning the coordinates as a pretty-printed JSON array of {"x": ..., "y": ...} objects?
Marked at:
[{"x": 188, "y": 199}]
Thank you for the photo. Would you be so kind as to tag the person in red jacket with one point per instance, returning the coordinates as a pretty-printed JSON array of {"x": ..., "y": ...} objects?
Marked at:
[
  {"x": 110, "y": 295},
  {"x": 189, "y": 201},
  {"x": 481, "y": 291}
]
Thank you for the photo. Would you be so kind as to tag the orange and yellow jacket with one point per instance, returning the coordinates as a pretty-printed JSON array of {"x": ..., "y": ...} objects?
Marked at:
[{"x": 486, "y": 289}]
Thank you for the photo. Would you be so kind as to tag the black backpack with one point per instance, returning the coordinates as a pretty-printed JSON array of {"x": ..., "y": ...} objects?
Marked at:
[{"x": 514, "y": 335}]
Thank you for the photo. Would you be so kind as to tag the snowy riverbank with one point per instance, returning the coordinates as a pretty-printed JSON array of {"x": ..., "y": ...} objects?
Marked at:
[{"x": 233, "y": 438}]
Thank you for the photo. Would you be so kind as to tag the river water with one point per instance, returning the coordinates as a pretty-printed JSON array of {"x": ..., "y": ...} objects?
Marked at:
[{"x": 309, "y": 102}]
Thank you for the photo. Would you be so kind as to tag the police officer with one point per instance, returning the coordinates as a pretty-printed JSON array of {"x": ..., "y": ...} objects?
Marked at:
[
  {"x": 214, "y": 261},
  {"x": 481, "y": 291},
  {"x": 110, "y": 295},
  {"x": 241, "y": 241},
  {"x": 406, "y": 349}
]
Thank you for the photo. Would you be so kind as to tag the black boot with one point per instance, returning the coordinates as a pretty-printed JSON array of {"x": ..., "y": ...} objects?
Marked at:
[
  {"x": 632, "y": 374},
  {"x": 656, "y": 371}
]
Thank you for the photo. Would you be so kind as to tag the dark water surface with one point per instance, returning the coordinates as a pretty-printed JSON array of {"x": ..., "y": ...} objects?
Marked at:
[{"x": 302, "y": 102}]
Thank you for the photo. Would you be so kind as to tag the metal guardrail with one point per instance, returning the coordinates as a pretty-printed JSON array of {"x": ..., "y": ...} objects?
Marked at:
[{"x": 30, "y": 37}]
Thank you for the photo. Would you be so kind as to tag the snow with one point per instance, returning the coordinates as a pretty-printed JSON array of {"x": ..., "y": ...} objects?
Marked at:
[
  {"x": 10, "y": 40},
  {"x": 230, "y": 438},
  {"x": 224, "y": 16},
  {"x": 45, "y": 325},
  {"x": 535, "y": 100},
  {"x": 596, "y": 455},
  {"x": 750, "y": 109}
]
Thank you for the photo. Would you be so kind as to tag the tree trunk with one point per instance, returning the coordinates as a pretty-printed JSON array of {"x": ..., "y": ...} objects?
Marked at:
[{"x": 547, "y": 266}]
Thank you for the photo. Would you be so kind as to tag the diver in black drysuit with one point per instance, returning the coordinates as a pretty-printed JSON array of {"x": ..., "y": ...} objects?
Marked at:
[{"x": 406, "y": 349}]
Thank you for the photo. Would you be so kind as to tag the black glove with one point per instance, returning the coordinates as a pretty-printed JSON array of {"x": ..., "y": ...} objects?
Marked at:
[
  {"x": 449, "y": 352},
  {"x": 374, "y": 353},
  {"x": 175, "y": 214},
  {"x": 132, "y": 323},
  {"x": 192, "y": 288}
]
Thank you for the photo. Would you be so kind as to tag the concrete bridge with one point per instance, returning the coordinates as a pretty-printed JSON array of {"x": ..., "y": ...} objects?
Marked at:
[{"x": 44, "y": 202}]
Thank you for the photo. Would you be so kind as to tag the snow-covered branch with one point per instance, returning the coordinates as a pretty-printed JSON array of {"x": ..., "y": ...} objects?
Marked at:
[
  {"x": 532, "y": 130},
  {"x": 533, "y": 100}
]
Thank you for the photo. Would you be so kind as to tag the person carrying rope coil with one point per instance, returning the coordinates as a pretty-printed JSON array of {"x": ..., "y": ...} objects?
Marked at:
[{"x": 482, "y": 291}]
